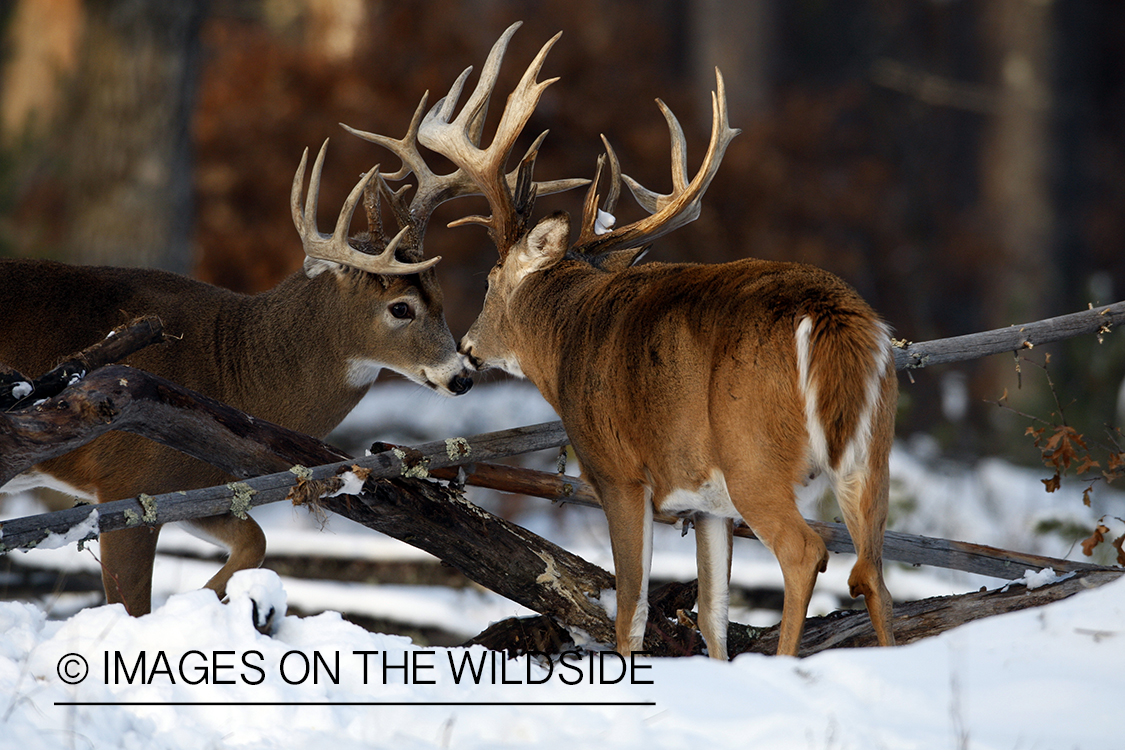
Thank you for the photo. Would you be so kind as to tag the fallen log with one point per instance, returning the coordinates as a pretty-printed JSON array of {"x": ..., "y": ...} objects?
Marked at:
[
  {"x": 489, "y": 550},
  {"x": 912, "y": 621},
  {"x": 898, "y": 547},
  {"x": 117, "y": 345},
  {"x": 916, "y": 620},
  {"x": 1097, "y": 320}
]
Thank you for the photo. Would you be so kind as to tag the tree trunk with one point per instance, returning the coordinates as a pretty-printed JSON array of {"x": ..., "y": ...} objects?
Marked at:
[{"x": 108, "y": 129}]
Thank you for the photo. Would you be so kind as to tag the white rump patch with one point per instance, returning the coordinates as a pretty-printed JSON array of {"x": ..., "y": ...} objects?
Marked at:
[{"x": 855, "y": 452}]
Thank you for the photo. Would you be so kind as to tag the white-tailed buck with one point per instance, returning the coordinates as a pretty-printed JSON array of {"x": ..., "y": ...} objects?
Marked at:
[
  {"x": 708, "y": 391},
  {"x": 301, "y": 355}
]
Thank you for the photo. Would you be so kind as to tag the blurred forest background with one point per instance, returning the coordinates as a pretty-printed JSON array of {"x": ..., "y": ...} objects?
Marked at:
[{"x": 962, "y": 164}]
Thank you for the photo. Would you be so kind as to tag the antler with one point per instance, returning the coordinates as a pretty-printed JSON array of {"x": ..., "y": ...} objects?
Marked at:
[
  {"x": 479, "y": 171},
  {"x": 668, "y": 212},
  {"x": 335, "y": 247},
  {"x": 432, "y": 189},
  {"x": 458, "y": 139}
]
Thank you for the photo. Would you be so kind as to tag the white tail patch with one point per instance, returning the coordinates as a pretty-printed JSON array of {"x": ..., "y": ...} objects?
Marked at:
[
  {"x": 818, "y": 441},
  {"x": 855, "y": 450}
]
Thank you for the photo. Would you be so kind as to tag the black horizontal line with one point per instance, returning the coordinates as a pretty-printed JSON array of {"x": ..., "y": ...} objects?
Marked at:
[{"x": 355, "y": 703}]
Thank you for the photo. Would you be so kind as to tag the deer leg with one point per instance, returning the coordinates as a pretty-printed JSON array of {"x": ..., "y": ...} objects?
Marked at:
[
  {"x": 127, "y": 557},
  {"x": 242, "y": 536},
  {"x": 629, "y": 513},
  {"x": 862, "y": 498},
  {"x": 713, "y": 541},
  {"x": 773, "y": 516}
]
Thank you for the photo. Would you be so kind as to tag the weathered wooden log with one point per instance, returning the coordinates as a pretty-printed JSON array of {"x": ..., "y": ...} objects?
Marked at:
[
  {"x": 489, "y": 550},
  {"x": 897, "y": 547},
  {"x": 912, "y": 622},
  {"x": 1097, "y": 320},
  {"x": 928, "y": 617},
  {"x": 118, "y": 344},
  {"x": 119, "y": 397}
]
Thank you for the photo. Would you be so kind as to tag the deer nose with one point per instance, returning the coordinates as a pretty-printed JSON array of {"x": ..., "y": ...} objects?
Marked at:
[
  {"x": 460, "y": 384},
  {"x": 466, "y": 350}
]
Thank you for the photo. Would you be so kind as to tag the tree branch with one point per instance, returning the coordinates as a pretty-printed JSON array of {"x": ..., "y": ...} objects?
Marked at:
[
  {"x": 1098, "y": 320},
  {"x": 117, "y": 345}
]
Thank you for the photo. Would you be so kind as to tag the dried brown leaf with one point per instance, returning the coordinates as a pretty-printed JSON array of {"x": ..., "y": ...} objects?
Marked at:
[
  {"x": 1087, "y": 464},
  {"x": 1091, "y": 542}
]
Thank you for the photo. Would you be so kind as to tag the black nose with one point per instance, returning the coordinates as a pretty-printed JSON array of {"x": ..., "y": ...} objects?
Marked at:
[{"x": 460, "y": 384}]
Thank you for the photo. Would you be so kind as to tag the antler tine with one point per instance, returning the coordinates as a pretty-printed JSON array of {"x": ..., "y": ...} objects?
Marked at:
[
  {"x": 335, "y": 247},
  {"x": 433, "y": 189},
  {"x": 295, "y": 194},
  {"x": 598, "y": 221},
  {"x": 458, "y": 137},
  {"x": 550, "y": 187},
  {"x": 682, "y": 205}
]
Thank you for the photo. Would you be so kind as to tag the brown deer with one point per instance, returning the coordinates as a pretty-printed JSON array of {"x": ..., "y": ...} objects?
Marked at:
[
  {"x": 300, "y": 355},
  {"x": 707, "y": 391}
]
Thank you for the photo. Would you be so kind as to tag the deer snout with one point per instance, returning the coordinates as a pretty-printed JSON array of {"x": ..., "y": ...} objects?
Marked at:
[
  {"x": 460, "y": 384},
  {"x": 466, "y": 350}
]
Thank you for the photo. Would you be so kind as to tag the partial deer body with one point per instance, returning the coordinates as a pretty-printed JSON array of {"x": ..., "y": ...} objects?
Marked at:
[
  {"x": 709, "y": 392},
  {"x": 300, "y": 355},
  {"x": 705, "y": 391}
]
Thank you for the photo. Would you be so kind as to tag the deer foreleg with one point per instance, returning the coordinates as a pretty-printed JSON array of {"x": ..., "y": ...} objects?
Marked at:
[{"x": 629, "y": 513}]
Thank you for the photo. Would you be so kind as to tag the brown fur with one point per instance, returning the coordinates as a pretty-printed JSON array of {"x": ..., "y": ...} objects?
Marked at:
[
  {"x": 281, "y": 356},
  {"x": 663, "y": 374}
]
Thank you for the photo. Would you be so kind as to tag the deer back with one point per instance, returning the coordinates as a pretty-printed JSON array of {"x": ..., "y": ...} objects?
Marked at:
[
  {"x": 665, "y": 362},
  {"x": 301, "y": 354}
]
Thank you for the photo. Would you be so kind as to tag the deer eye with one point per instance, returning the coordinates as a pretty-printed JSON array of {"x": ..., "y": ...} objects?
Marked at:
[{"x": 401, "y": 310}]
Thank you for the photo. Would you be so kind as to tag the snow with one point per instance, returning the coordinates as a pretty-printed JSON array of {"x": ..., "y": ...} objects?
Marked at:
[
  {"x": 350, "y": 484},
  {"x": 1034, "y": 580},
  {"x": 1047, "y": 677},
  {"x": 604, "y": 222},
  {"x": 1041, "y": 678},
  {"x": 88, "y": 529}
]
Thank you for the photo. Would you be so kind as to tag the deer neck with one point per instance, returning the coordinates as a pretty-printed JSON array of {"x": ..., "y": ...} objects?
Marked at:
[
  {"x": 547, "y": 314},
  {"x": 286, "y": 354}
]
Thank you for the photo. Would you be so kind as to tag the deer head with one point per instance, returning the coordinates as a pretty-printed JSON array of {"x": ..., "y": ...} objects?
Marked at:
[{"x": 600, "y": 244}]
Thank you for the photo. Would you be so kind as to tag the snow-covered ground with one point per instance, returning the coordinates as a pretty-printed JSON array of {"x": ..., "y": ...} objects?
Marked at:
[{"x": 1042, "y": 678}]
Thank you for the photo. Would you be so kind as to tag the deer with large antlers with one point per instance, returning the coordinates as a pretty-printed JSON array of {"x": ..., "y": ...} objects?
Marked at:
[
  {"x": 707, "y": 391},
  {"x": 301, "y": 355}
]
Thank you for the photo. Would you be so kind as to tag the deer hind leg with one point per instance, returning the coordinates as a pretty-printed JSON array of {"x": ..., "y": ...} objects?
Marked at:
[
  {"x": 862, "y": 497},
  {"x": 771, "y": 512},
  {"x": 127, "y": 558},
  {"x": 628, "y": 511},
  {"x": 242, "y": 537},
  {"x": 713, "y": 540}
]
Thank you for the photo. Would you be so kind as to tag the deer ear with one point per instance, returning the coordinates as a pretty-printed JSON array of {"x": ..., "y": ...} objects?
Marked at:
[{"x": 547, "y": 241}]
